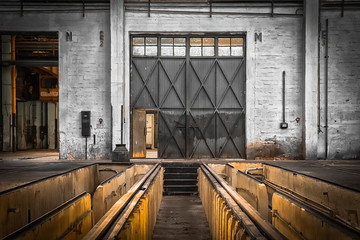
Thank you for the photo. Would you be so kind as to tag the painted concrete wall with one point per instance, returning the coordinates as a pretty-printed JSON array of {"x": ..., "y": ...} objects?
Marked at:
[
  {"x": 343, "y": 86},
  {"x": 84, "y": 76},
  {"x": 93, "y": 77},
  {"x": 281, "y": 50}
]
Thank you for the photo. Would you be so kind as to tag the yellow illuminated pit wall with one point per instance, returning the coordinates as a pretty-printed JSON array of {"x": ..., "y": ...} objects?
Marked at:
[
  {"x": 133, "y": 216},
  {"x": 113, "y": 188},
  {"x": 290, "y": 216},
  {"x": 342, "y": 203},
  {"x": 224, "y": 222},
  {"x": 251, "y": 189},
  {"x": 72, "y": 221},
  {"x": 296, "y": 222},
  {"x": 141, "y": 222},
  {"x": 22, "y": 206}
]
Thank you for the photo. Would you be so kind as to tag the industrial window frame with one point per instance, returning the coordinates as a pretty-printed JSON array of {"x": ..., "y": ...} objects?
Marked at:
[{"x": 187, "y": 37}]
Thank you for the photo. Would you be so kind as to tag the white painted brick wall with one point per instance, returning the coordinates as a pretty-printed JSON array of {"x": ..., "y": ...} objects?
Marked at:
[
  {"x": 85, "y": 76},
  {"x": 84, "y": 71},
  {"x": 343, "y": 86},
  {"x": 281, "y": 50}
]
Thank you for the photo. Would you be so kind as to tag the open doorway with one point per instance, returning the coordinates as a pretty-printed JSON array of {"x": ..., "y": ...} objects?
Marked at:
[
  {"x": 30, "y": 64},
  {"x": 145, "y": 133}
]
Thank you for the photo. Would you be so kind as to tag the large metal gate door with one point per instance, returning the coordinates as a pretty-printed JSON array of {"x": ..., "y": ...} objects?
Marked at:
[
  {"x": 216, "y": 108},
  {"x": 200, "y": 102}
]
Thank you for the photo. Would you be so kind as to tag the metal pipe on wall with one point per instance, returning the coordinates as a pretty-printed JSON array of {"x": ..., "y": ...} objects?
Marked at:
[
  {"x": 326, "y": 87},
  {"x": 41, "y": 124},
  {"x": 318, "y": 72},
  {"x": 122, "y": 124},
  {"x": 283, "y": 92},
  {"x": 1, "y": 116},
  {"x": 86, "y": 148},
  {"x": 13, "y": 78},
  {"x": 46, "y": 136}
]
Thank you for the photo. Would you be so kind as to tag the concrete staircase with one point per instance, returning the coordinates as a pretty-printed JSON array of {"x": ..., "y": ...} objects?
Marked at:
[{"x": 180, "y": 178}]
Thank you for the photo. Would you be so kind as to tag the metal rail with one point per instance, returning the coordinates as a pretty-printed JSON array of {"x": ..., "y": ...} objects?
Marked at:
[
  {"x": 139, "y": 205},
  {"x": 324, "y": 212},
  {"x": 241, "y": 209},
  {"x": 301, "y": 207}
]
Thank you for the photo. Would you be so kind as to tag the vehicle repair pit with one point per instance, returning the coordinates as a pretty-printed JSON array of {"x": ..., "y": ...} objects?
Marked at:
[{"x": 233, "y": 200}]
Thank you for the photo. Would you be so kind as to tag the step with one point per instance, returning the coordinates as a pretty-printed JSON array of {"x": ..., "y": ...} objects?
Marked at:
[
  {"x": 180, "y": 193},
  {"x": 180, "y": 164},
  {"x": 180, "y": 188},
  {"x": 180, "y": 175},
  {"x": 180, "y": 170},
  {"x": 180, "y": 181}
]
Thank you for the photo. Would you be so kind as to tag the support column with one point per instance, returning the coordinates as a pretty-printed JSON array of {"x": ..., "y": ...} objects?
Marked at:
[
  {"x": 51, "y": 125},
  {"x": 117, "y": 68},
  {"x": 1, "y": 115},
  {"x": 310, "y": 123},
  {"x": 6, "y": 94}
]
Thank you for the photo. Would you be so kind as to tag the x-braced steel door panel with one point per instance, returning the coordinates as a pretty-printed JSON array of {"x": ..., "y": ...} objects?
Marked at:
[{"x": 200, "y": 102}]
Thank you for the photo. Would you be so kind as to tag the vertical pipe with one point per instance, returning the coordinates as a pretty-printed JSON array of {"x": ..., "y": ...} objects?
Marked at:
[
  {"x": 46, "y": 129},
  {"x": 283, "y": 91},
  {"x": 122, "y": 124},
  {"x": 13, "y": 76},
  {"x": 319, "y": 91},
  {"x": 326, "y": 87},
  {"x": 216, "y": 104},
  {"x": 124, "y": 72},
  {"x": 85, "y": 148},
  {"x": 56, "y": 128},
  {"x": 41, "y": 125},
  {"x": 187, "y": 76}
]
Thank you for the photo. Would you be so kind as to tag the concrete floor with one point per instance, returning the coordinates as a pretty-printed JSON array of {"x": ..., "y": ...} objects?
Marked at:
[
  {"x": 344, "y": 173},
  {"x": 181, "y": 217},
  {"x": 22, "y": 167},
  {"x": 26, "y": 166}
]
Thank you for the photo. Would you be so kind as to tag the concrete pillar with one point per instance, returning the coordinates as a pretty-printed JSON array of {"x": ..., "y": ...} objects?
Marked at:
[
  {"x": 20, "y": 126},
  {"x": 6, "y": 93},
  {"x": 310, "y": 123},
  {"x": 117, "y": 67},
  {"x": 51, "y": 125}
]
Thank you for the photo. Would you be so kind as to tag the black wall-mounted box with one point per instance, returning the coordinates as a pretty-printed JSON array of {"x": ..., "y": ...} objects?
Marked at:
[
  {"x": 283, "y": 125},
  {"x": 85, "y": 123}
]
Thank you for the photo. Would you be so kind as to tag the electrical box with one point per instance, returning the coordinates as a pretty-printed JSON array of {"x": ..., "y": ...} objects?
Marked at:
[
  {"x": 283, "y": 125},
  {"x": 85, "y": 124}
]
